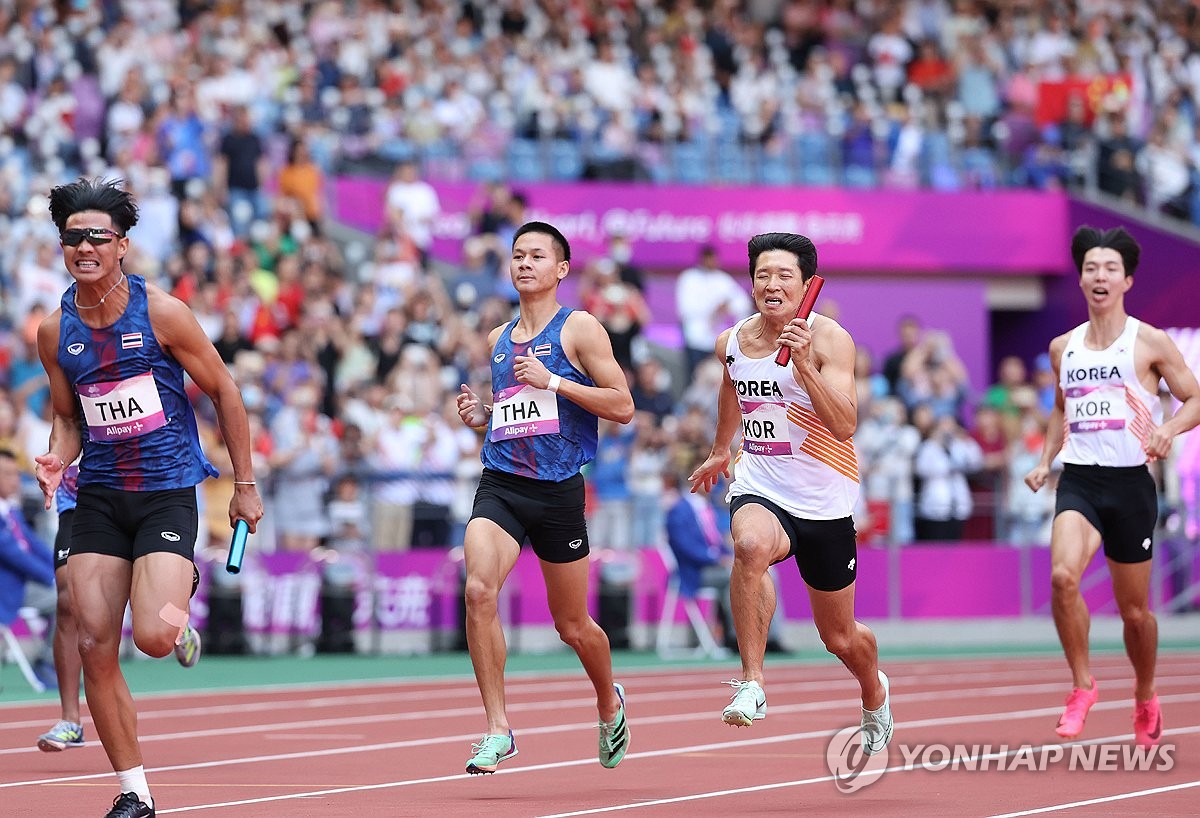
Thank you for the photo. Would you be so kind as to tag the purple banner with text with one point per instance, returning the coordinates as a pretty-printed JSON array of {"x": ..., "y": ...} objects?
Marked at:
[{"x": 900, "y": 231}]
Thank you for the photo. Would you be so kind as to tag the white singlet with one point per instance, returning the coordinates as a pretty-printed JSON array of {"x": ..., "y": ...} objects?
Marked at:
[
  {"x": 1109, "y": 414},
  {"x": 788, "y": 454}
]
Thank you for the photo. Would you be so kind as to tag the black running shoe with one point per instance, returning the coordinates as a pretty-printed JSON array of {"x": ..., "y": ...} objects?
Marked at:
[{"x": 128, "y": 805}]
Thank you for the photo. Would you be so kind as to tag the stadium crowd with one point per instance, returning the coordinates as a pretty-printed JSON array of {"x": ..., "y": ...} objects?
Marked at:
[{"x": 227, "y": 120}]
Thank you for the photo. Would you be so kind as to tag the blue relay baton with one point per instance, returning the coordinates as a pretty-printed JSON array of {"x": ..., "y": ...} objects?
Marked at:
[{"x": 237, "y": 548}]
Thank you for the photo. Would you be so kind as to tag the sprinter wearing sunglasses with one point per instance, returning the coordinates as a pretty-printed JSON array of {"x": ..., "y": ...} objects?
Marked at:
[{"x": 116, "y": 352}]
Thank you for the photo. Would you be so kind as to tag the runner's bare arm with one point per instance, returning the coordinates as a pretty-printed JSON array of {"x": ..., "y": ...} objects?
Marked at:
[{"x": 65, "y": 435}]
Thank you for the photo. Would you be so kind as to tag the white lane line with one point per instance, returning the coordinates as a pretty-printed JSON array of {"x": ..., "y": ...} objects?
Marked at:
[
  {"x": 1104, "y": 800},
  {"x": 425, "y": 742},
  {"x": 1002, "y": 691},
  {"x": 895, "y": 769}
]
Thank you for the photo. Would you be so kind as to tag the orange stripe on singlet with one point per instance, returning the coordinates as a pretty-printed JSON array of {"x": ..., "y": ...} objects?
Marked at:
[
  {"x": 821, "y": 445},
  {"x": 1142, "y": 422}
]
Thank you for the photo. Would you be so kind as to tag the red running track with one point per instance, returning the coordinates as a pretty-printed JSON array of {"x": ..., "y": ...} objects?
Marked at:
[{"x": 386, "y": 750}]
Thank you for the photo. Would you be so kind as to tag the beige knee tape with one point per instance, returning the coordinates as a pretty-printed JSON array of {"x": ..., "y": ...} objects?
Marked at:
[{"x": 173, "y": 616}]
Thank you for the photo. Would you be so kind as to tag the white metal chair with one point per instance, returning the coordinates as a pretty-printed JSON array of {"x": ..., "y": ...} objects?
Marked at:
[
  {"x": 707, "y": 643},
  {"x": 12, "y": 650}
]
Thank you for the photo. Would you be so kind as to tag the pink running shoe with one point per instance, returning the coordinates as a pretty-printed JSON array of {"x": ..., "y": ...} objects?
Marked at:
[
  {"x": 1078, "y": 704},
  {"x": 1147, "y": 723}
]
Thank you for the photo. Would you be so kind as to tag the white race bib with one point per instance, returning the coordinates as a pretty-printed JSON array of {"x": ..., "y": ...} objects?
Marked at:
[
  {"x": 1096, "y": 408},
  {"x": 523, "y": 411},
  {"x": 122, "y": 410},
  {"x": 765, "y": 429}
]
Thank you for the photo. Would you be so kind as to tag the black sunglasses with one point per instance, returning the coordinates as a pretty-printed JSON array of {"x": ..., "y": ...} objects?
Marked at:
[{"x": 75, "y": 236}]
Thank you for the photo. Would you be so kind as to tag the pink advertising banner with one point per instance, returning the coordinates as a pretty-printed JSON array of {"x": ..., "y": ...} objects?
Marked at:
[{"x": 1007, "y": 232}]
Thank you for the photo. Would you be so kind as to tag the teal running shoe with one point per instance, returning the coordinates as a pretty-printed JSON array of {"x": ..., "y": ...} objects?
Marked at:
[
  {"x": 614, "y": 735},
  {"x": 490, "y": 751}
]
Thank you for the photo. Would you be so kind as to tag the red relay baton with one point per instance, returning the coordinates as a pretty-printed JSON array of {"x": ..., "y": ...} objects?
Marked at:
[{"x": 784, "y": 356}]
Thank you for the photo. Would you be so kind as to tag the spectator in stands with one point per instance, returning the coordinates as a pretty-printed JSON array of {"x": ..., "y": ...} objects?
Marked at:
[
  {"x": 1010, "y": 376},
  {"x": 1027, "y": 515},
  {"x": 617, "y": 305},
  {"x": 651, "y": 389},
  {"x": 412, "y": 206},
  {"x": 304, "y": 458},
  {"x": 888, "y": 445},
  {"x": 649, "y": 462},
  {"x": 239, "y": 170},
  {"x": 707, "y": 299},
  {"x": 620, "y": 250},
  {"x": 932, "y": 374},
  {"x": 609, "y": 521},
  {"x": 302, "y": 179},
  {"x": 944, "y": 460},
  {"x": 1116, "y": 165},
  {"x": 908, "y": 333}
]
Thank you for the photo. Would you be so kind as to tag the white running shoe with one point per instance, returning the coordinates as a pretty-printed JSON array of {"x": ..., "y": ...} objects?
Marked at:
[
  {"x": 877, "y": 724},
  {"x": 749, "y": 704}
]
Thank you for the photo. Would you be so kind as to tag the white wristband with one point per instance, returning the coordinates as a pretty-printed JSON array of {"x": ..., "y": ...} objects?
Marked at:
[{"x": 555, "y": 380}]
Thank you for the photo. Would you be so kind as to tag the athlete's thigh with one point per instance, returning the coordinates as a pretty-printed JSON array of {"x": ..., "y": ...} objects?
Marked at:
[
  {"x": 1073, "y": 543},
  {"x": 833, "y": 611},
  {"x": 99, "y": 591},
  {"x": 757, "y": 524},
  {"x": 1131, "y": 584},
  {"x": 161, "y": 588},
  {"x": 567, "y": 589},
  {"x": 489, "y": 552}
]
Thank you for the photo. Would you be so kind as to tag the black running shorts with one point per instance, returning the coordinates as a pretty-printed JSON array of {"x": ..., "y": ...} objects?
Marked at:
[
  {"x": 550, "y": 514},
  {"x": 62, "y": 540},
  {"x": 1119, "y": 501},
  {"x": 825, "y": 550},
  {"x": 131, "y": 524}
]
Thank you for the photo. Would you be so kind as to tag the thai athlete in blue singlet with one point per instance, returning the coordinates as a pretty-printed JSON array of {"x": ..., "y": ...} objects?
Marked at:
[
  {"x": 533, "y": 432},
  {"x": 139, "y": 429}
]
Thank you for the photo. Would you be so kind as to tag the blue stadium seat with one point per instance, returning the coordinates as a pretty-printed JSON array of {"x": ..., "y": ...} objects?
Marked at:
[
  {"x": 689, "y": 163},
  {"x": 733, "y": 164},
  {"x": 398, "y": 150},
  {"x": 566, "y": 160},
  {"x": 485, "y": 170},
  {"x": 524, "y": 160},
  {"x": 776, "y": 169},
  {"x": 858, "y": 176}
]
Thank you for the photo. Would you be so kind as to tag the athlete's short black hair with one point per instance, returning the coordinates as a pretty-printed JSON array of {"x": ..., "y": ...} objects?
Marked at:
[
  {"x": 800, "y": 246},
  {"x": 102, "y": 195},
  {"x": 1118, "y": 238},
  {"x": 559, "y": 240}
]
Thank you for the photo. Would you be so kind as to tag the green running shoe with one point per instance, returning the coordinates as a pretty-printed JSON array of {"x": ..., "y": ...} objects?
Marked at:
[
  {"x": 490, "y": 751},
  {"x": 614, "y": 735},
  {"x": 61, "y": 736},
  {"x": 188, "y": 649}
]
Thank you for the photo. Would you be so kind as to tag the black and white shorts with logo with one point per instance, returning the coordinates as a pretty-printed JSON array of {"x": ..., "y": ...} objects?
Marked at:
[
  {"x": 131, "y": 524},
  {"x": 1120, "y": 502},
  {"x": 550, "y": 514}
]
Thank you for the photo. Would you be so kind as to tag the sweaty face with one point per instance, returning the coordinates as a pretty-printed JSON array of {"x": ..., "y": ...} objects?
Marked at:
[{"x": 778, "y": 285}]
